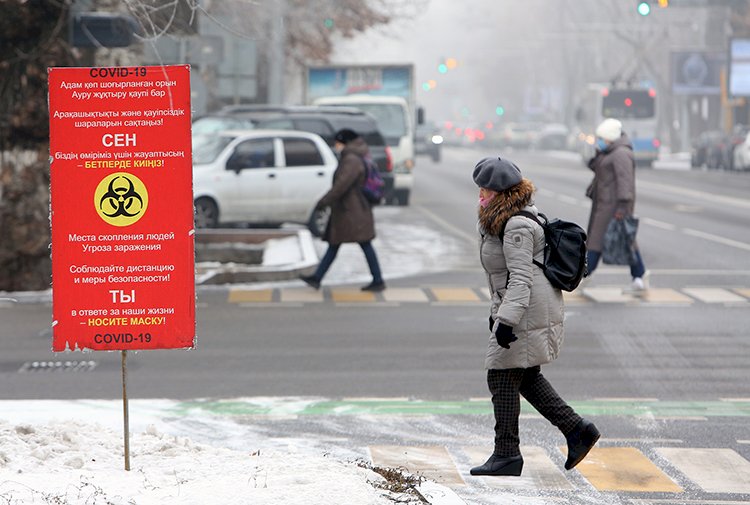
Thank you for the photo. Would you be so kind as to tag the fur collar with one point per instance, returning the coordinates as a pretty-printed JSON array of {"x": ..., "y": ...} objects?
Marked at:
[{"x": 505, "y": 204}]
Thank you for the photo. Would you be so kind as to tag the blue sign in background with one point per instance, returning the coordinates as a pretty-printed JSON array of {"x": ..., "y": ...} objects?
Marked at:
[{"x": 334, "y": 81}]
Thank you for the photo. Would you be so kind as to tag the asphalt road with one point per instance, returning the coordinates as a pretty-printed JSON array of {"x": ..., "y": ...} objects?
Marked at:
[
  {"x": 694, "y": 233},
  {"x": 424, "y": 338}
]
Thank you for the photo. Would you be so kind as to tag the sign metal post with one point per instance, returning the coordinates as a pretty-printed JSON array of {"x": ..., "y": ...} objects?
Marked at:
[{"x": 125, "y": 414}]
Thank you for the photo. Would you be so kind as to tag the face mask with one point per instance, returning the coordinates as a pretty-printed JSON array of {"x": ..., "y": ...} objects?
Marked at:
[
  {"x": 601, "y": 145},
  {"x": 484, "y": 202}
]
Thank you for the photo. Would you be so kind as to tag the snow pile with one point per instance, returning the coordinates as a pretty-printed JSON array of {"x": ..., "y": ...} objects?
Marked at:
[{"x": 82, "y": 463}]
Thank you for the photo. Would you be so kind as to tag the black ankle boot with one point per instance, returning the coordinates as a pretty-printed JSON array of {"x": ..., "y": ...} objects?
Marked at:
[
  {"x": 374, "y": 286},
  {"x": 311, "y": 281},
  {"x": 500, "y": 466},
  {"x": 580, "y": 441}
]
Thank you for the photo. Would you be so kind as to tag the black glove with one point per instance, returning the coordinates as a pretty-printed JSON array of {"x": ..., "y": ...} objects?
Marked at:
[{"x": 504, "y": 335}]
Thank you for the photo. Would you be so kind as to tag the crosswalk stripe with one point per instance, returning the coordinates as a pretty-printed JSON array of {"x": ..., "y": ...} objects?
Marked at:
[
  {"x": 434, "y": 462},
  {"x": 575, "y": 297},
  {"x": 539, "y": 471},
  {"x": 714, "y": 470},
  {"x": 624, "y": 469},
  {"x": 301, "y": 295},
  {"x": 247, "y": 295},
  {"x": 455, "y": 295},
  {"x": 655, "y": 501},
  {"x": 654, "y": 295},
  {"x": 607, "y": 294},
  {"x": 352, "y": 295},
  {"x": 714, "y": 295},
  {"x": 405, "y": 295}
]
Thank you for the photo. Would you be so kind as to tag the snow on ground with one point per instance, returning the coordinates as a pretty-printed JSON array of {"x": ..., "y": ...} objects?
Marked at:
[
  {"x": 405, "y": 247},
  {"x": 78, "y": 462}
]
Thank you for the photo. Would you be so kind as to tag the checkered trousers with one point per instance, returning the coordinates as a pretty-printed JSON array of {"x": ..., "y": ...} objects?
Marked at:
[{"x": 505, "y": 386}]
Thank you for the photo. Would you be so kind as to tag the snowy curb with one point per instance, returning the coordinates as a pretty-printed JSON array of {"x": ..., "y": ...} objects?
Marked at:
[
  {"x": 285, "y": 256},
  {"x": 438, "y": 494}
]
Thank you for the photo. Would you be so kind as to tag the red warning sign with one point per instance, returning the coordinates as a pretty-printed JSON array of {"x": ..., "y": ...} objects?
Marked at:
[{"x": 123, "y": 275}]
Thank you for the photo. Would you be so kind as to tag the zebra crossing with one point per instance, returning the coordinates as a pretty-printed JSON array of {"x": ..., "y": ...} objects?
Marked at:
[
  {"x": 677, "y": 472},
  {"x": 727, "y": 296}
]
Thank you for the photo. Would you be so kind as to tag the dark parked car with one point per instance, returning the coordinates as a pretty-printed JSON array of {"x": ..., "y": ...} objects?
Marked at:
[
  {"x": 325, "y": 121},
  {"x": 713, "y": 149}
]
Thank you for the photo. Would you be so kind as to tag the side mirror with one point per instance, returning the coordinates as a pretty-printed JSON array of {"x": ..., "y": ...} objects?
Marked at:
[{"x": 420, "y": 115}]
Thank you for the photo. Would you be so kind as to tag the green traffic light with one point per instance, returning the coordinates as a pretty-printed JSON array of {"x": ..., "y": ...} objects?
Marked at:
[
  {"x": 442, "y": 68},
  {"x": 644, "y": 8},
  {"x": 499, "y": 110}
]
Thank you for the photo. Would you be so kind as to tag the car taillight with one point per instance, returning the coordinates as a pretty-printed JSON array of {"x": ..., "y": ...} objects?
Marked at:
[{"x": 388, "y": 160}]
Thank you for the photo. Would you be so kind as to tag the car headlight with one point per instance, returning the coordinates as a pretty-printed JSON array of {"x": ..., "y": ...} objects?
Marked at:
[{"x": 437, "y": 139}]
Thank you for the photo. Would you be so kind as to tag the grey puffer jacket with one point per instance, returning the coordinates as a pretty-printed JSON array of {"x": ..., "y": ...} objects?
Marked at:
[{"x": 529, "y": 303}]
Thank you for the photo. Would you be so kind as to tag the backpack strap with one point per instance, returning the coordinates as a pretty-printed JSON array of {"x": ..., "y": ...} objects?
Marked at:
[
  {"x": 529, "y": 215},
  {"x": 524, "y": 213}
]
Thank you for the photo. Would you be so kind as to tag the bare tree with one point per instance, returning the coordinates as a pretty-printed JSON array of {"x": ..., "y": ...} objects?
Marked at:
[{"x": 33, "y": 36}]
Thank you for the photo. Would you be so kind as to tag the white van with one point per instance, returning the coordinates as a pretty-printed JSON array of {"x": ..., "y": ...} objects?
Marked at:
[{"x": 394, "y": 120}]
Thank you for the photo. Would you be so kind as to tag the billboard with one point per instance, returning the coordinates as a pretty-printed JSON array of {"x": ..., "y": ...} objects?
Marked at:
[
  {"x": 123, "y": 275},
  {"x": 362, "y": 79},
  {"x": 739, "y": 67},
  {"x": 697, "y": 72}
]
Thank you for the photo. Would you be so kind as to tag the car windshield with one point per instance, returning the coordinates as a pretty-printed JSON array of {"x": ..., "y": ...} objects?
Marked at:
[
  {"x": 390, "y": 117},
  {"x": 206, "y": 148}
]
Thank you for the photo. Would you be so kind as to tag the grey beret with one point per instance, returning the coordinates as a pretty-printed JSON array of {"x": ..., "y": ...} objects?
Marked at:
[{"x": 496, "y": 173}]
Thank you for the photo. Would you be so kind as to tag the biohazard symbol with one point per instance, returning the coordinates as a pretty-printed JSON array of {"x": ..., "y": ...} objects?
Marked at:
[{"x": 121, "y": 199}]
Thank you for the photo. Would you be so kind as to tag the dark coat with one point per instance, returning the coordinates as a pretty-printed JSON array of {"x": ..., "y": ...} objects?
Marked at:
[
  {"x": 612, "y": 190},
  {"x": 351, "y": 214}
]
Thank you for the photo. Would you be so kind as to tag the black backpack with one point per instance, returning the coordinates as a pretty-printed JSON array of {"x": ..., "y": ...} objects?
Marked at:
[{"x": 564, "y": 251}]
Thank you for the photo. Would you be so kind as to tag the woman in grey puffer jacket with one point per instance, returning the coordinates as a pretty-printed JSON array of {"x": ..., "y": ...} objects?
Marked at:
[{"x": 526, "y": 319}]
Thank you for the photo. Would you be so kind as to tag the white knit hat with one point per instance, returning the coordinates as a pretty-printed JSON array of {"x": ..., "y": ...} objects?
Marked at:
[{"x": 609, "y": 129}]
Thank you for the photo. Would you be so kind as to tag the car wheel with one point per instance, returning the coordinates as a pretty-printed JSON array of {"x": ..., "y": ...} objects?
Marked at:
[
  {"x": 319, "y": 221},
  {"x": 206, "y": 213}
]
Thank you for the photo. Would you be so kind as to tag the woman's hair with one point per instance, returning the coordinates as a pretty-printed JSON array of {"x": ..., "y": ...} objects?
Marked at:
[{"x": 504, "y": 205}]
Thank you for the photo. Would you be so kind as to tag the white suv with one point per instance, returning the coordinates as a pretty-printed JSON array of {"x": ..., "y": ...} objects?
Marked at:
[{"x": 264, "y": 177}]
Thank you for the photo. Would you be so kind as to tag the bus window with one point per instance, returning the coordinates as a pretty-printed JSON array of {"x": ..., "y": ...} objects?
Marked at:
[{"x": 628, "y": 104}]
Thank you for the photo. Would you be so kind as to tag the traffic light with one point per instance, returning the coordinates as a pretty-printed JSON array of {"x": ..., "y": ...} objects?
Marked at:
[
  {"x": 500, "y": 110},
  {"x": 644, "y": 8}
]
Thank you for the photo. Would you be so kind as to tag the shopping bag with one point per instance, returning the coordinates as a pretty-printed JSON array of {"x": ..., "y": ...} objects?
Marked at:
[{"x": 619, "y": 240}]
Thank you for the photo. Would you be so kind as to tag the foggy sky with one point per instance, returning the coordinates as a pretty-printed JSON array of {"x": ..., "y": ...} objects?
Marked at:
[{"x": 508, "y": 50}]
